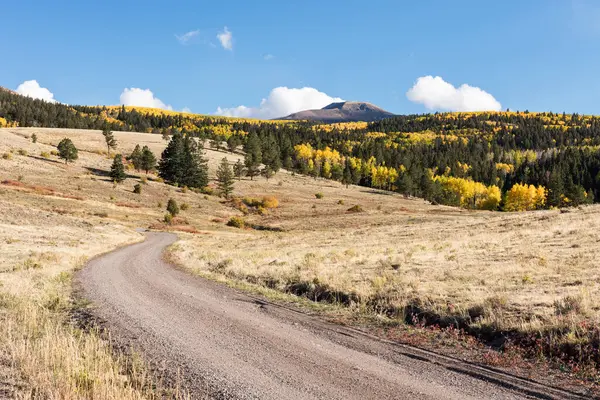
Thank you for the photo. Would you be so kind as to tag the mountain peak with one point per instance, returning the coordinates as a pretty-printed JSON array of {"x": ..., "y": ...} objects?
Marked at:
[{"x": 346, "y": 111}]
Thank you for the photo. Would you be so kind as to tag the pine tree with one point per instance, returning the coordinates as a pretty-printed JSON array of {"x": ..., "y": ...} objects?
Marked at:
[
  {"x": 225, "y": 178},
  {"x": 136, "y": 157},
  {"x": 117, "y": 170},
  {"x": 347, "y": 175},
  {"x": 169, "y": 166},
  {"x": 267, "y": 172},
  {"x": 271, "y": 155},
  {"x": 233, "y": 142},
  {"x": 238, "y": 169},
  {"x": 147, "y": 160},
  {"x": 253, "y": 157},
  {"x": 109, "y": 138},
  {"x": 67, "y": 150},
  {"x": 193, "y": 170}
]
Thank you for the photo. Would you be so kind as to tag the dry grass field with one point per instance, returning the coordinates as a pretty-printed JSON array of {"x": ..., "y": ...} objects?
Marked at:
[{"x": 525, "y": 272}]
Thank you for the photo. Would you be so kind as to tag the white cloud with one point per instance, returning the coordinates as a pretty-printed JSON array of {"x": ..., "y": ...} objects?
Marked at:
[
  {"x": 34, "y": 90},
  {"x": 281, "y": 102},
  {"x": 186, "y": 110},
  {"x": 141, "y": 98},
  {"x": 186, "y": 37},
  {"x": 268, "y": 57},
  {"x": 437, "y": 94},
  {"x": 226, "y": 39}
]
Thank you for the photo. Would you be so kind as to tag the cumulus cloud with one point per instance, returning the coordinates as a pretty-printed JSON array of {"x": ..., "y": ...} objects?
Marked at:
[
  {"x": 437, "y": 94},
  {"x": 34, "y": 90},
  {"x": 226, "y": 39},
  {"x": 186, "y": 37},
  {"x": 141, "y": 98},
  {"x": 281, "y": 102}
]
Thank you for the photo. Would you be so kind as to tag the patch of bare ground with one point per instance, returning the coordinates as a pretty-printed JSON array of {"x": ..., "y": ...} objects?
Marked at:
[{"x": 525, "y": 283}]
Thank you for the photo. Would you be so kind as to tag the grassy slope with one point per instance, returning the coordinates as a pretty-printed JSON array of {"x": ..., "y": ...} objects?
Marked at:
[{"x": 519, "y": 270}]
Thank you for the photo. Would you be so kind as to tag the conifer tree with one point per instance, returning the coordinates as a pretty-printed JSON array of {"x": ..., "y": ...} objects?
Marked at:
[
  {"x": 67, "y": 150},
  {"x": 347, "y": 175},
  {"x": 193, "y": 169},
  {"x": 238, "y": 169},
  {"x": 253, "y": 157},
  {"x": 147, "y": 160},
  {"x": 109, "y": 138},
  {"x": 136, "y": 157},
  {"x": 225, "y": 178},
  {"x": 271, "y": 155},
  {"x": 117, "y": 170},
  {"x": 169, "y": 166}
]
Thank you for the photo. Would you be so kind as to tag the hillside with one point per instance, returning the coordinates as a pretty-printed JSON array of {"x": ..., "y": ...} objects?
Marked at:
[
  {"x": 511, "y": 161},
  {"x": 349, "y": 111},
  {"x": 513, "y": 275}
]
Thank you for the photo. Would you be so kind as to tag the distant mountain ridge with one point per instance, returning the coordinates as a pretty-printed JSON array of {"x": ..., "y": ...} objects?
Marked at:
[{"x": 347, "y": 111}]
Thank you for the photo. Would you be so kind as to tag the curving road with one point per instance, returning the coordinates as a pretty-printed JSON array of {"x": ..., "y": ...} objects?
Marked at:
[{"x": 228, "y": 345}]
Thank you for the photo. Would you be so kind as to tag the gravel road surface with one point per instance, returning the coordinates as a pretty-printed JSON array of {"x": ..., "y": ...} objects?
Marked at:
[{"x": 228, "y": 345}]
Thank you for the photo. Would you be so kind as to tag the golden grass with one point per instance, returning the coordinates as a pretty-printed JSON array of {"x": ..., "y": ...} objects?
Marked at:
[{"x": 525, "y": 272}]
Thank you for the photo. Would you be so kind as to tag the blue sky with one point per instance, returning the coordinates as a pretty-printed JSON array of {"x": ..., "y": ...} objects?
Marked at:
[{"x": 534, "y": 54}]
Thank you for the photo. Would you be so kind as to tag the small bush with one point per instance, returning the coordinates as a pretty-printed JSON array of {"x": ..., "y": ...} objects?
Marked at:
[
  {"x": 7, "y": 156},
  {"x": 270, "y": 202},
  {"x": 34, "y": 138},
  {"x": 172, "y": 207},
  {"x": 319, "y": 195},
  {"x": 569, "y": 305},
  {"x": 45, "y": 154},
  {"x": 159, "y": 204},
  {"x": 251, "y": 201},
  {"x": 137, "y": 188},
  {"x": 207, "y": 190},
  {"x": 261, "y": 210},
  {"x": 159, "y": 180},
  {"x": 54, "y": 152},
  {"x": 184, "y": 189},
  {"x": 184, "y": 207},
  {"x": 22, "y": 152},
  {"x": 356, "y": 209},
  {"x": 236, "y": 222},
  {"x": 101, "y": 214},
  {"x": 341, "y": 202},
  {"x": 168, "y": 219},
  {"x": 144, "y": 180}
]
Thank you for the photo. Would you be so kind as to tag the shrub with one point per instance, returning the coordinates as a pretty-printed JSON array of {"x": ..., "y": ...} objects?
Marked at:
[
  {"x": 568, "y": 305},
  {"x": 251, "y": 201},
  {"x": 7, "y": 156},
  {"x": 207, "y": 190},
  {"x": 101, "y": 214},
  {"x": 185, "y": 206},
  {"x": 34, "y": 138},
  {"x": 22, "y": 152},
  {"x": 319, "y": 195},
  {"x": 159, "y": 204},
  {"x": 172, "y": 207},
  {"x": 144, "y": 180},
  {"x": 270, "y": 202},
  {"x": 137, "y": 188},
  {"x": 236, "y": 222},
  {"x": 54, "y": 152},
  {"x": 44, "y": 154},
  {"x": 355, "y": 209},
  {"x": 341, "y": 202},
  {"x": 184, "y": 189},
  {"x": 168, "y": 218}
]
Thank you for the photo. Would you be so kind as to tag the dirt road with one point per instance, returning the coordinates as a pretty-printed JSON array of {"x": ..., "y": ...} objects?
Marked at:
[{"x": 228, "y": 345}]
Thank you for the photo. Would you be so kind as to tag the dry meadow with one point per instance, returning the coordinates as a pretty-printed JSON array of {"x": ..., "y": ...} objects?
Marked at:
[{"x": 510, "y": 271}]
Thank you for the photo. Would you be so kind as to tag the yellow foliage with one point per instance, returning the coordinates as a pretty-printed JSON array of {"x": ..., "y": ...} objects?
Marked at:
[
  {"x": 3, "y": 123},
  {"x": 505, "y": 168},
  {"x": 525, "y": 197},
  {"x": 470, "y": 193}
]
